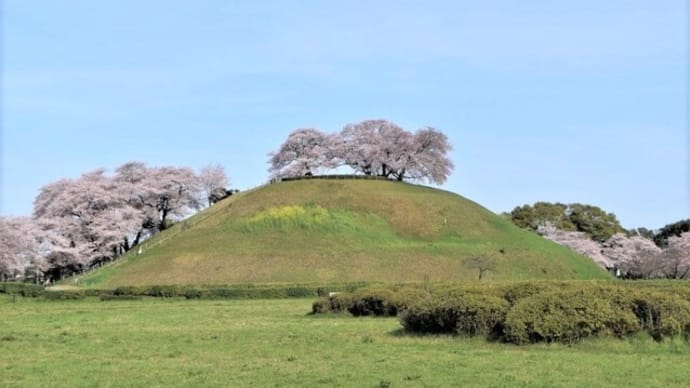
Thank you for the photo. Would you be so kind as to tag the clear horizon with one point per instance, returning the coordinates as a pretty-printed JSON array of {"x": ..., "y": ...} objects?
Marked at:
[{"x": 573, "y": 102}]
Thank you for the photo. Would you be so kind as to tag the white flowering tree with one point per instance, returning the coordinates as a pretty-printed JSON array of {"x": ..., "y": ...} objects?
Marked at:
[
  {"x": 212, "y": 179},
  {"x": 19, "y": 246},
  {"x": 371, "y": 147},
  {"x": 305, "y": 152},
  {"x": 677, "y": 257}
]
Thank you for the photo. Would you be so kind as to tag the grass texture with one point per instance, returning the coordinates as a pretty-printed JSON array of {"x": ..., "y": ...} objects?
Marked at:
[
  {"x": 267, "y": 343},
  {"x": 344, "y": 230}
]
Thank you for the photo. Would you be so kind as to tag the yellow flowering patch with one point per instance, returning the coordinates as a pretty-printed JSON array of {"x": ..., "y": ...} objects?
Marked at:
[{"x": 292, "y": 215}]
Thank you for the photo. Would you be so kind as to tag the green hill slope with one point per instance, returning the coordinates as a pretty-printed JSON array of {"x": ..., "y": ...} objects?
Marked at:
[{"x": 343, "y": 230}]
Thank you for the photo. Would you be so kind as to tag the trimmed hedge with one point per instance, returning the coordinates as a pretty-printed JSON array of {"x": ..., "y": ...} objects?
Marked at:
[
  {"x": 108, "y": 297},
  {"x": 64, "y": 295},
  {"x": 466, "y": 314},
  {"x": 566, "y": 316},
  {"x": 372, "y": 301},
  {"x": 662, "y": 315},
  {"x": 233, "y": 291},
  {"x": 527, "y": 312},
  {"x": 28, "y": 290},
  {"x": 237, "y": 291}
]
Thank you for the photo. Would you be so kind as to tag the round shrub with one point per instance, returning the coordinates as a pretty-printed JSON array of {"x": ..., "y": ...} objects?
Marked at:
[
  {"x": 126, "y": 291},
  {"x": 518, "y": 291},
  {"x": 382, "y": 301},
  {"x": 162, "y": 291},
  {"x": 429, "y": 316},
  {"x": 466, "y": 314},
  {"x": 377, "y": 302},
  {"x": 566, "y": 316},
  {"x": 662, "y": 315},
  {"x": 111, "y": 297},
  {"x": 27, "y": 290},
  {"x": 481, "y": 315},
  {"x": 337, "y": 303},
  {"x": 63, "y": 295},
  {"x": 320, "y": 306},
  {"x": 192, "y": 293}
]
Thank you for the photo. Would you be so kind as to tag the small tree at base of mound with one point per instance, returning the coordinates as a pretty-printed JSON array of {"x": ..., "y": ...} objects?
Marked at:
[{"x": 481, "y": 264}]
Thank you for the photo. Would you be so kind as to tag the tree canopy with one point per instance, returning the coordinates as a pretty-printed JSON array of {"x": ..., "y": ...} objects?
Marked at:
[
  {"x": 589, "y": 219},
  {"x": 79, "y": 223},
  {"x": 671, "y": 230},
  {"x": 371, "y": 147}
]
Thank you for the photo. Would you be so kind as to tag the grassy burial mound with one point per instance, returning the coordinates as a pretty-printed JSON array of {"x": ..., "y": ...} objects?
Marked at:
[{"x": 344, "y": 230}]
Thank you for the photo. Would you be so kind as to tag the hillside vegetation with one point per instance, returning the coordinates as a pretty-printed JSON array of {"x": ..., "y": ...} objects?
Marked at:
[{"x": 343, "y": 230}]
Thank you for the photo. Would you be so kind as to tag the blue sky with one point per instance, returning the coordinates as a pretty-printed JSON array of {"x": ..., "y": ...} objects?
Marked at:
[{"x": 580, "y": 101}]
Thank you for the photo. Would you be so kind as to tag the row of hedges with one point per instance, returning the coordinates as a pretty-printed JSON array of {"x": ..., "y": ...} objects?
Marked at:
[
  {"x": 376, "y": 300},
  {"x": 527, "y": 312},
  {"x": 28, "y": 290},
  {"x": 240, "y": 291},
  {"x": 237, "y": 291}
]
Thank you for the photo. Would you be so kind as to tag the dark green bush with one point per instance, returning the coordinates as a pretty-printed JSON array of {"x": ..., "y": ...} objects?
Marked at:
[
  {"x": 126, "y": 291},
  {"x": 376, "y": 305},
  {"x": 566, "y": 316},
  {"x": 111, "y": 297},
  {"x": 376, "y": 302},
  {"x": 525, "y": 312},
  {"x": 662, "y": 315},
  {"x": 430, "y": 316},
  {"x": 336, "y": 303},
  {"x": 466, "y": 314},
  {"x": 163, "y": 291},
  {"x": 517, "y": 291},
  {"x": 193, "y": 293},
  {"x": 321, "y": 306},
  {"x": 301, "y": 292},
  {"x": 28, "y": 290},
  {"x": 371, "y": 301},
  {"x": 64, "y": 295},
  {"x": 94, "y": 292}
]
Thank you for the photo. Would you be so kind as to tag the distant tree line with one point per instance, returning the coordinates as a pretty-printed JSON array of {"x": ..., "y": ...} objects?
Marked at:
[
  {"x": 371, "y": 147},
  {"x": 591, "y": 220},
  {"x": 639, "y": 253},
  {"x": 83, "y": 222}
]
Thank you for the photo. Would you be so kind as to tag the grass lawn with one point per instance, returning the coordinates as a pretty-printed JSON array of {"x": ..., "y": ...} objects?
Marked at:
[{"x": 175, "y": 342}]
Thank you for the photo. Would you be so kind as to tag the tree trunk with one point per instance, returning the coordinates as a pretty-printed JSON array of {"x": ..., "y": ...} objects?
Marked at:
[
  {"x": 137, "y": 238},
  {"x": 163, "y": 224}
]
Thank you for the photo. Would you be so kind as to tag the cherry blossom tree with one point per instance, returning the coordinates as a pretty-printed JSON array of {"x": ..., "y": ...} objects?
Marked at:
[
  {"x": 305, "y": 152},
  {"x": 579, "y": 242},
  {"x": 375, "y": 147},
  {"x": 19, "y": 246},
  {"x": 213, "y": 179},
  {"x": 359, "y": 146},
  {"x": 85, "y": 220},
  {"x": 635, "y": 256},
  {"x": 426, "y": 158},
  {"x": 160, "y": 194},
  {"x": 379, "y": 147},
  {"x": 370, "y": 147},
  {"x": 174, "y": 194},
  {"x": 82, "y": 222},
  {"x": 62, "y": 247},
  {"x": 96, "y": 217},
  {"x": 677, "y": 257}
]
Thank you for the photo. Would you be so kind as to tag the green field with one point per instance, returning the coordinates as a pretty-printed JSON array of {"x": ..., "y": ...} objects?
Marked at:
[
  {"x": 342, "y": 231},
  {"x": 174, "y": 342}
]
